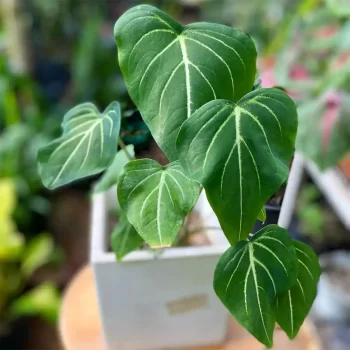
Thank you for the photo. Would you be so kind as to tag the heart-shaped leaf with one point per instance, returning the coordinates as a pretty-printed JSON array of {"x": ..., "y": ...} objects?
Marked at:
[
  {"x": 294, "y": 305},
  {"x": 111, "y": 176},
  {"x": 171, "y": 70},
  {"x": 240, "y": 153},
  {"x": 124, "y": 238},
  {"x": 156, "y": 199},
  {"x": 88, "y": 145},
  {"x": 250, "y": 275}
]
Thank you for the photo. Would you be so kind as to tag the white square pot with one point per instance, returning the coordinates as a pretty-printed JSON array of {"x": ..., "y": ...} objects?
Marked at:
[{"x": 149, "y": 302}]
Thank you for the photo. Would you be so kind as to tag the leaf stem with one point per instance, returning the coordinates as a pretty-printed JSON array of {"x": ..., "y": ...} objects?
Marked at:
[{"x": 123, "y": 147}]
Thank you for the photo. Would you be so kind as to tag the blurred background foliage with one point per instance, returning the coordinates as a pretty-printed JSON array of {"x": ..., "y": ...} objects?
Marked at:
[{"x": 56, "y": 54}]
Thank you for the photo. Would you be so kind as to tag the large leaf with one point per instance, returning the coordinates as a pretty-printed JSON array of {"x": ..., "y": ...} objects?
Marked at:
[
  {"x": 88, "y": 145},
  {"x": 111, "y": 176},
  {"x": 240, "y": 153},
  {"x": 250, "y": 275},
  {"x": 294, "y": 305},
  {"x": 124, "y": 238},
  {"x": 171, "y": 70},
  {"x": 156, "y": 199}
]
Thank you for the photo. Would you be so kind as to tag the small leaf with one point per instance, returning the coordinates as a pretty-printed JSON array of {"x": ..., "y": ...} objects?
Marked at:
[
  {"x": 37, "y": 253},
  {"x": 171, "y": 70},
  {"x": 43, "y": 301},
  {"x": 124, "y": 238},
  {"x": 111, "y": 176},
  {"x": 156, "y": 199},
  {"x": 251, "y": 274},
  {"x": 8, "y": 198},
  {"x": 240, "y": 153},
  {"x": 12, "y": 242},
  {"x": 87, "y": 146},
  {"x": 294, "y": 305},
  {"x": 262, "y": 214}
]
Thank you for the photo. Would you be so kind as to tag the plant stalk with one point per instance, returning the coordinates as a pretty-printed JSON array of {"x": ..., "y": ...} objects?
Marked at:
[{"x": 123, "y": 147}]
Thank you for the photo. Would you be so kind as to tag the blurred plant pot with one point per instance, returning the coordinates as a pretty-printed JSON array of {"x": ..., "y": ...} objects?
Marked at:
[
  {"x": 333, "y": 298},
  {"x": 151, "y": 301}
]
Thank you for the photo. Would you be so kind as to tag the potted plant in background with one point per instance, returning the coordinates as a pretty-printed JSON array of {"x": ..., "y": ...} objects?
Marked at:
[{"x": 193, "y": 87}]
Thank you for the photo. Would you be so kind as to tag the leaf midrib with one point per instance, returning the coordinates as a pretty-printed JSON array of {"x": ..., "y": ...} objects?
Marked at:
[{"x": 181, "y": 38}]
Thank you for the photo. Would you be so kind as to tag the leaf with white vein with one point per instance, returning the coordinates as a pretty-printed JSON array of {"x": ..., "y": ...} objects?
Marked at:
[
  {"x": 240, "y": 153},
  {"x": 171, "y": 70},
  {"x": 251, "y": 274},
  {"x": 124, "y": 238},
  {"x": 156, "y": 199},
  {"x": 294, "y": 305},
  {"x": 87, "y": 146}
]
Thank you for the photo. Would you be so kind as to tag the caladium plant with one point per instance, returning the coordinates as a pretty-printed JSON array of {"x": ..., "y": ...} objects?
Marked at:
[{"x": 194, "y": 86}]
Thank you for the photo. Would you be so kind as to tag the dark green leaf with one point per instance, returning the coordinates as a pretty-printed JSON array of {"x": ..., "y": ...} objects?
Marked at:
[
  {"x": 125, "y": 238},
  {"x": 250, "y": 275},
  {"x": 88, "y": 145},
  {"x": 171, "y": 70},
  {"x": 111, "y": 176},
  {"x": 240, "y": 153},
  {"x": 156, "y": 199},
  {"x": 293, "y": 306}
]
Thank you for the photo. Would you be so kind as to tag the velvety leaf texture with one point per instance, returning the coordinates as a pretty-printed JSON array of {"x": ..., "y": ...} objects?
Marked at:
[
  {"x": 171, "y": 70},
  {"x": 124, "y": 238},
  {"x": 294, "y": 305},
  {"x": 251, "y": 274},
  {"x": 240, "y": 153},
  {"x": 87, "y": 146},
  {"x": 156, "y": 199}
]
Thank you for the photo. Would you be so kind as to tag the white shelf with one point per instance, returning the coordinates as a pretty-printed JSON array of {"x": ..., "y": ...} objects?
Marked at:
[{"x": 336, "y": 190}]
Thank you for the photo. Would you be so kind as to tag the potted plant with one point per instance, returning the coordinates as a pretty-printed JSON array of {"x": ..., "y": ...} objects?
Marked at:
[{"x": 193, "y": 87}]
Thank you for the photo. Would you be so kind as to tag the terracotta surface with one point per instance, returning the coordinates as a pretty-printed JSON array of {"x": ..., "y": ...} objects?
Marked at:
[{"x": 80, "y": 326}]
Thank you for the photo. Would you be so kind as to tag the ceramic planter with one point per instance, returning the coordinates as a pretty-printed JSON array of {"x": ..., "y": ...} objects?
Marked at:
[{"x": 164, "y": 301}]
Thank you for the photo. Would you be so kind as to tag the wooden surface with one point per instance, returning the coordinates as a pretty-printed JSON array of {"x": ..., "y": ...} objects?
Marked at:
[{"x": 80, "y": 326}]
